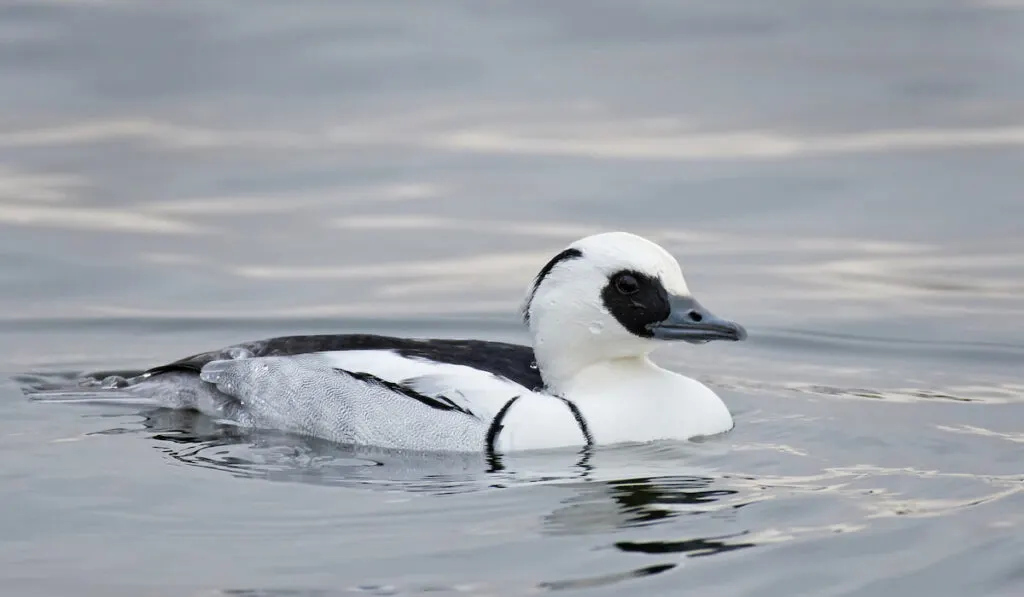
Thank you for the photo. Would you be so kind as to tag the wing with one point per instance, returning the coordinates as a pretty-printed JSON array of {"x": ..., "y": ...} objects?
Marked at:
[
  {"x": 366, "y": 397},
  {"x": 472, "y": 390},
  {"x": 510, "y": 361}
]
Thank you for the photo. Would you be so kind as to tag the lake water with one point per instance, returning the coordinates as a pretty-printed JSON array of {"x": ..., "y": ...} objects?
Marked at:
[{"x": 842, "y": 178}]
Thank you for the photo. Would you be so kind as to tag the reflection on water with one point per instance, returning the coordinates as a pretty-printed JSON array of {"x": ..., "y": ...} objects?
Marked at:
[
  {"x": 598, "y": 506},
  {"x": 601, "y": 500},
  {"x": 621, "y": 503},
  {"x": 691, "y": 547}
]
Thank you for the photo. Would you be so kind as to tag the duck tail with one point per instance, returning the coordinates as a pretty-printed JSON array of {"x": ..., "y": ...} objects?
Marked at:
[
  {"x": 99, "y": 388},
  {"x": 92, "y": 396}
]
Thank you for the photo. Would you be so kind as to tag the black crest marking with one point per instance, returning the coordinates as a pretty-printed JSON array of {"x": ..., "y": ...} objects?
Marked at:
[
  {"x": 438, "y": 402},
  {"x": 544, "y": 271},
  {"x": 645, "y": 303}
]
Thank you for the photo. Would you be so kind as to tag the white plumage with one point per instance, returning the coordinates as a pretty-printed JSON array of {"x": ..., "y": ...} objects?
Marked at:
[{"x": 595, "y": 313}]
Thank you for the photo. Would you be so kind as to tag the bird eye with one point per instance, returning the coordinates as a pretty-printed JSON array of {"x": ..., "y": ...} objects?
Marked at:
[{"x": 626, "y": 284}]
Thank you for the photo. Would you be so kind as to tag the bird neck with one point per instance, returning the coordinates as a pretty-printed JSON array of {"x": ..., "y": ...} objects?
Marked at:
[{"x": 564, "y": 371}]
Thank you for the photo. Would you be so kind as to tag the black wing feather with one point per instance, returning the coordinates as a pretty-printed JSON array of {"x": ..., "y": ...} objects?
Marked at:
[
  {"x": 514, "y": 362},
  {"x": 438, "y": 402}
]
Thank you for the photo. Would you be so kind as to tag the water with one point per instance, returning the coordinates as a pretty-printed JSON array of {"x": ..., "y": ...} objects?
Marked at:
[{"x": 841, "y": 178}]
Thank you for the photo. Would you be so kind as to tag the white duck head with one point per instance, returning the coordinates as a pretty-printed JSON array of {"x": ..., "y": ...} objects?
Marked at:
[{"x": 609, "y": 297}]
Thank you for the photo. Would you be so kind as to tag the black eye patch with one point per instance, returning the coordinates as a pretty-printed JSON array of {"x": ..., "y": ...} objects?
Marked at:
[{"x": 636, "y": 300}]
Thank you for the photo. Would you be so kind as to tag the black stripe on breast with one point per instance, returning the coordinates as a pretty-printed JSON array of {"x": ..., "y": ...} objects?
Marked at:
[
  {"x": 576, "y": 414},
  {"x": 438, "y": 402},
  {"x": 495, "y": 428}
]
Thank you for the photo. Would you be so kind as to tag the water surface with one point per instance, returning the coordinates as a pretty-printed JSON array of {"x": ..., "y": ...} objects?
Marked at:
[{"x": 843, "y": 179}]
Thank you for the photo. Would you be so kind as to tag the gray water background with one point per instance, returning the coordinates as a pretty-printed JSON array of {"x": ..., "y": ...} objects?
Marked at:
[{"x": 844, "y": 178}]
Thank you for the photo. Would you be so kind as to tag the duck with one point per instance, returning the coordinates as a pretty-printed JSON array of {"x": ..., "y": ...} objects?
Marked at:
[{"x": 595, "y": 313}]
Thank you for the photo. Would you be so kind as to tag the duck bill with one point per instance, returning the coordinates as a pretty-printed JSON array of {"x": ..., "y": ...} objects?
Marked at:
[{"x": 690, "y": 321}]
